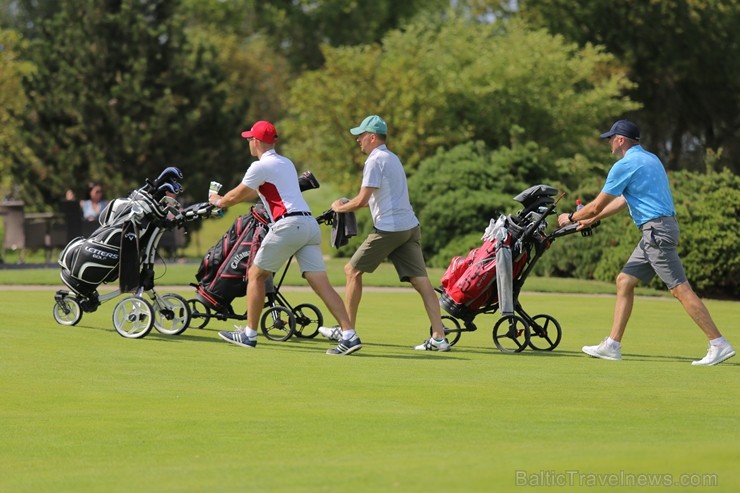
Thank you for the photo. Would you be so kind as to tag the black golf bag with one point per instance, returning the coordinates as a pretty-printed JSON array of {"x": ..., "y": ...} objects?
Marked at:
[
  {"x": 222, "y": 275},
  {"x": 112, "y": 251}
]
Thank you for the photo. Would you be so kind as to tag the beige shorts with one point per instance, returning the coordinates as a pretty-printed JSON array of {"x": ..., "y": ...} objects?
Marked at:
[{"x": 297, "y": 236}]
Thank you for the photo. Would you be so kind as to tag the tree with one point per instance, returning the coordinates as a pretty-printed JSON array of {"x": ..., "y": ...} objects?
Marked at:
[
  {"x": 295, "y": 29},
  {"x": 444, "y": 84},
  {"x": 299, "y": 27},
  {"x": 12, "y": 104},
  {"x": 24, "y": 15},
  {"x": 708, "y": 210},
  {"x": 455, "y": 193},
  {"x": 121, "y": 92},
  {"x": 685, "y": 59}
]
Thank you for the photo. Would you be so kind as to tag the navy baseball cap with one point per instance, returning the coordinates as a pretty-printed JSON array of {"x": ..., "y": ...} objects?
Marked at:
[{"x": 625, "y": 128}]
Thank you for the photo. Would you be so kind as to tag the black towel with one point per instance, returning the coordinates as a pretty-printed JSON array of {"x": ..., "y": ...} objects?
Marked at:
[{"x": 344, "y": 226}]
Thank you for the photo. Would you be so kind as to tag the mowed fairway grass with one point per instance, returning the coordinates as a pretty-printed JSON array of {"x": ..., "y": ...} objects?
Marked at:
[{"x": 84, "y": 409}]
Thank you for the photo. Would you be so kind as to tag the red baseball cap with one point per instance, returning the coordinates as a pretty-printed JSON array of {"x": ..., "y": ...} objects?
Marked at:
[{"x": 262, "y": 130}]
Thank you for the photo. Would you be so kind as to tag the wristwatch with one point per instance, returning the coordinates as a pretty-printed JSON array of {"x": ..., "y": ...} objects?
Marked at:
[{"x": 570, "y": 217}]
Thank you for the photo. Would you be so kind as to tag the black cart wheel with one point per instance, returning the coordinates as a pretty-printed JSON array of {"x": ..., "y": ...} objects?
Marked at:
[
  {"x": 511, "y": 334},
  {"x": 200, "y": 314},
  {"x": 544, "y": 333},
  {"x": 278, "y": 323},
  {"x": 452, "y": 329},
  {"x": 308, "y": 319}
]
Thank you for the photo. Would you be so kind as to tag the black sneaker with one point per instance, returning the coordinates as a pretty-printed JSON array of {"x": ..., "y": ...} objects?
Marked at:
[
  {"x": 239, "y": 338},
  {"x": 346, "y": 346}
]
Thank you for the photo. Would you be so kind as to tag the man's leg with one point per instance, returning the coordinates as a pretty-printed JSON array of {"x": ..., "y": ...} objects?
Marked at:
[
  {"x": 349, "y": 341},
  {"x": 696, "y": 309},
  {"x": 719, "y": 348},
  {"x": 256, "y": 295},
  {"x": 353, "y": 292},
  {"x": 431, "y": 304},
  {"x": 319, "y": 282},
  {"x": 255, "y": 303},
  {"x": 610, "y": 347},
  {"x": 623, "y": 308}
]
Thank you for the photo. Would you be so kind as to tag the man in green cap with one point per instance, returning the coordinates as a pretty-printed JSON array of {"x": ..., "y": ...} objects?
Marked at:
[{"x": 396, "y": 235}]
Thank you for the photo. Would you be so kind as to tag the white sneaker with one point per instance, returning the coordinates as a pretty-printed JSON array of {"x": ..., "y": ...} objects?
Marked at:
[
  {"x": 603, "y": 351},
  {"x": 331, "y": 333},
  {"x": 716, "y": 355},
  {"x": 432, "y": 345}
]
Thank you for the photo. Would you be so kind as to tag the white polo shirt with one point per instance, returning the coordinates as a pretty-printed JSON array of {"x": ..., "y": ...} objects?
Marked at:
[
  {"x": 276, "y": 179},
  {"x": 389, "y": 204}
]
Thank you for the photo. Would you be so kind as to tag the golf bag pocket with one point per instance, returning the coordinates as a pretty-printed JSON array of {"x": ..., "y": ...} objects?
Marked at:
[
  {"x": 475, "y": 285},
  {"x": 87, "y": 263}
]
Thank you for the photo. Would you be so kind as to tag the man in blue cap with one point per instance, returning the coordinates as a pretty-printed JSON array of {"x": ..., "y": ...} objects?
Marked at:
[
  {"x": 397, "y": 234},
  {"x": 639, "y": 182}
]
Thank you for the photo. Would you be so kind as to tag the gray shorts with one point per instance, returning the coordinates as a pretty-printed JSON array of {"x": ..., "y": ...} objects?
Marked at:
[
  {"x": 296, "y": 235},
  {"x": 657, "y": 254},
  {"x": 403, "y": 248}
]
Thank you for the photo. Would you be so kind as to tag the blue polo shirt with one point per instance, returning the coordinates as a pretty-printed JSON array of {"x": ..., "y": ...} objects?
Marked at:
[{"x": 640, "y": 177}]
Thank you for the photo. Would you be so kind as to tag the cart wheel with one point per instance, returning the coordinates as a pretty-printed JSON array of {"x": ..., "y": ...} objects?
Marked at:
[
  {"x": 171, "y": 314},
  {"x": 511, "y": 334},
  {"x": 198, "y": 310},
  {"x": 544, "y": 333},
  {"x": 452, "y": 329},
  {"x": 133, "y": 317},
  {"x": 67, "y": 311},
  {"x": 308, "y": 319},
  {"x": 278, "y": 323}
]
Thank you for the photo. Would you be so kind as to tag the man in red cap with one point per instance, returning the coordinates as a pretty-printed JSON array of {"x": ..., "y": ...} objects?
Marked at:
[
  {"x": 293, "y": 232},
  {"x": 638, "y": 181}
]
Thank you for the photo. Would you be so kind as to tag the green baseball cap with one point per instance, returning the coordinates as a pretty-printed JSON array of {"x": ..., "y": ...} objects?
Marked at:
[{"x": 373, "y": 124}]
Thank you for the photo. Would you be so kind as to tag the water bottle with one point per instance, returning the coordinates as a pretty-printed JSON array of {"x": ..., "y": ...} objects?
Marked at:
[{"x": 586, "y": 231}]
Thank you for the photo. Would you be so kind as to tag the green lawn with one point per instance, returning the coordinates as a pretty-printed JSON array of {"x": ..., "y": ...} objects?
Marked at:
[{"x": 84, "y": 409}]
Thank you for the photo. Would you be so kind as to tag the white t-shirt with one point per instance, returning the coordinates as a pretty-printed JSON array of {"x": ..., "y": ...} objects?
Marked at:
[
  {"x": 389, "y": 204},
  {"x": 276, "y": 179}
]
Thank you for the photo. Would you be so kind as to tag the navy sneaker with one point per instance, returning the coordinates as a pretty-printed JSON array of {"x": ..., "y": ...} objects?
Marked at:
[
  {"x": 346, "y": 346},
  {"x": 239, "y": 338}
]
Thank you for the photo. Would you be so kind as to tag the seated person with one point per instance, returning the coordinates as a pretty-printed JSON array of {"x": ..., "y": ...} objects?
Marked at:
[{"x": 94, "y": 205}]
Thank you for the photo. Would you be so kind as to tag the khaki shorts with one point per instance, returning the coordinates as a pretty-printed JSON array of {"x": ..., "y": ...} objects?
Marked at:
[
  {"x": 403, "y": 248},
  {"x": 657, "y": 253}
]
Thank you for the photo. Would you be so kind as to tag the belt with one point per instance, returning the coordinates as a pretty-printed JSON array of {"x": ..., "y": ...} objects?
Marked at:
[{"x": 295, "y": 213}]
